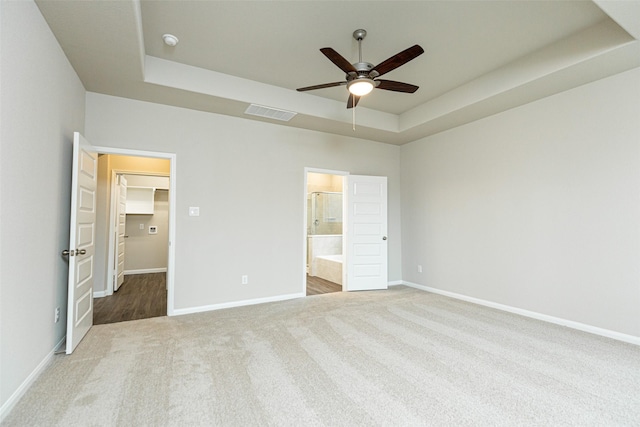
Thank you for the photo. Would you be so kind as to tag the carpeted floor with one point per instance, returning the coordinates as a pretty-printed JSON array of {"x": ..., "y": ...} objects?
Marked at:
[{"x": 396, "y": 357}]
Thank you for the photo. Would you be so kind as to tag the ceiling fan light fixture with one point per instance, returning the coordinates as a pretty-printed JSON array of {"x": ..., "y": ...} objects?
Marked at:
[{"x": 360, "y": 87}]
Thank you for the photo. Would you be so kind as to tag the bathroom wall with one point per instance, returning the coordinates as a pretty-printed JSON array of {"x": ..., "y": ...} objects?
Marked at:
[{"x": 324, "y": 182}]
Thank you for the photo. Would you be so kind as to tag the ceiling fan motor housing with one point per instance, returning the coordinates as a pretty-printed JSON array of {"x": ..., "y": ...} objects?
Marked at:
[{"x": 363, "y": 69}]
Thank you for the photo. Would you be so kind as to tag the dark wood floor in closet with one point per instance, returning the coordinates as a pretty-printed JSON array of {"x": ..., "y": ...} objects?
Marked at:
[
  {"x": 317, "y": 286},
  {"x": 141, "y": 296}
]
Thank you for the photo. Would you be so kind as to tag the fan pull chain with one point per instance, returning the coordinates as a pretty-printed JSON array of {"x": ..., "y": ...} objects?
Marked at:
[{"x": 354, "y": 118}]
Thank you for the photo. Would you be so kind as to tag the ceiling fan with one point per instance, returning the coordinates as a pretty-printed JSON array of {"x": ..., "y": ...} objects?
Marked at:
[{"x": 362, "y": 77}]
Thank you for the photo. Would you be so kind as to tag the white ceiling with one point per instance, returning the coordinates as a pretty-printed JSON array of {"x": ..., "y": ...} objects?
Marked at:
[{"x": 481, "y": 57}]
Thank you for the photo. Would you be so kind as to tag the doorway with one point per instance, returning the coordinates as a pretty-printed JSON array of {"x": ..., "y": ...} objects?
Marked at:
[
  {"x": 88, "y": 231},
  {"x": 134, "y": 228},
  {"x": 324, "y": 206}
]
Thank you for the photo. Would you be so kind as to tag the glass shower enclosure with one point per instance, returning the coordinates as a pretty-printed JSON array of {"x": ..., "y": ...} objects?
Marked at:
[{"x": 324, "y": 213}]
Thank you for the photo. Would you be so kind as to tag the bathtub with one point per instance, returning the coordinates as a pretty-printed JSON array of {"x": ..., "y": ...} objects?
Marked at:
[{"x": 328, "y": 267}]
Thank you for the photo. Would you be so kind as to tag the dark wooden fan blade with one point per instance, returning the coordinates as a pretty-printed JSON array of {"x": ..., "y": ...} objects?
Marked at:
[
  {"x": 352, "y": 101},
  {"x": 322, "y": 86},
  {"x": 397, "y": 60},
  {"x": 396, "y": 86},
  {"x": 339, "y": 60}
]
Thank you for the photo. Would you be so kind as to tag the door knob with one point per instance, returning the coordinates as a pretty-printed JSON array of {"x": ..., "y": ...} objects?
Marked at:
[
  {"x": 67, "y": 252},
  {"x": 81, "y": 252},
  {"x": 384, "y": 237}
]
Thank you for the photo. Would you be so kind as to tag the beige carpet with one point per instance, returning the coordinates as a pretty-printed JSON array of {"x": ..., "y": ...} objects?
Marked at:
[{"x": 397, "y": 357}]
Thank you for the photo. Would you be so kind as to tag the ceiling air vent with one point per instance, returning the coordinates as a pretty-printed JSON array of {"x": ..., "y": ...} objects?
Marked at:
[{"x": 270, "y": 113}]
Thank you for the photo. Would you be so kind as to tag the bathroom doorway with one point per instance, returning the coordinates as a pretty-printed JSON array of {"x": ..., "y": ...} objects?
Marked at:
[{"x": 324, "y": 206}]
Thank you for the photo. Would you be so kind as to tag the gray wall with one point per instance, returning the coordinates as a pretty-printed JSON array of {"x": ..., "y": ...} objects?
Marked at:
[
  {"x": 536, "y": 208},
  {"x": 144, "y": 251},
  {"x": 42, "y": 104},
  {"x": 247, "y": 177}
]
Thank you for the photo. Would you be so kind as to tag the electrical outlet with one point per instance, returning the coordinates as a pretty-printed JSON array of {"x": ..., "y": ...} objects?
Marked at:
[
  {"x": 56, "y": 315},
  {"x": 245, "y": 279},
  {"x": 419, "y": 269}
]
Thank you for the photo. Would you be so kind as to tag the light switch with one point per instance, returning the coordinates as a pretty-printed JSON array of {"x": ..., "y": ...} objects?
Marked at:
[
  {"x": 141, "y": 226},
  {"x": 194, "y": 211}
]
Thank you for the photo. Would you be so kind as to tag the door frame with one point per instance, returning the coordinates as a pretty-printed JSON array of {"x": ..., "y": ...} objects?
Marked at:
[
  {"x": 344, "y": 174},
  {"x": 111, "y": 242},
  {"x": 172, "y": 217}
]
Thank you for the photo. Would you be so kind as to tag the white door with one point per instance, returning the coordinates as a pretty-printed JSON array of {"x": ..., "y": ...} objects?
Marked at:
[
  {"x": 121, "y": 218},
  {"x": 84, "y": 176},
  {"x": 366, "y": 234}
]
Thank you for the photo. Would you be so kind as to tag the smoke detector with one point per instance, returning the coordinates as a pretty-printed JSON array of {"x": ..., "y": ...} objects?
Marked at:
[{"x": 170, "y": 40}]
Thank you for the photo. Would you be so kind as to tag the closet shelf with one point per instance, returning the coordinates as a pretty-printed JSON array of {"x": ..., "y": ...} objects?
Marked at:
[{"x": 140, "y": 200}]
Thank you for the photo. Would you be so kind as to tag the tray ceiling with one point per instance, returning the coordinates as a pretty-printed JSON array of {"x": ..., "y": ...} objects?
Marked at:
[{"x": 481, "y": 57}]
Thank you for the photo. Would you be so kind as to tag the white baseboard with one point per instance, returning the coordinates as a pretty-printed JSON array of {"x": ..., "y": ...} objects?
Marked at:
[
  {"x": 100, "y": 294},
  {"x": 145, "y": 271},
  {"x": 203, "y": 308},
  {"x": 20, "y": 391},
  {"x": 631, "y": 339},
  {"x": 395, "y": 283}
]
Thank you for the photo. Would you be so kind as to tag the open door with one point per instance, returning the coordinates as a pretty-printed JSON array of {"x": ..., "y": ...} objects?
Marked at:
[
  {"x": 121, "y": 218},
  {"x": 81, "y": 250},
  {"x": 366, "y": 234}
]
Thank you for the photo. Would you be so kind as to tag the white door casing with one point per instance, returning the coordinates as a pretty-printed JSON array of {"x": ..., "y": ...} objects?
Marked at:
[
  {"x": 366, "y": 234},
  {"x": 121, "y": 221},
  {"x": 84, "y": 177}
]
